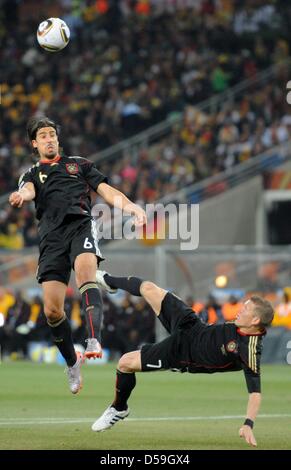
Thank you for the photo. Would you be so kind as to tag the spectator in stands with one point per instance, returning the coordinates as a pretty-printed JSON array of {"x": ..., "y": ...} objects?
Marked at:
[
  {"x": 16, "y": 338},
  {"x": 211, "y": 313},
  {"x": 282, "y": 316},
  {"x": 6, "y": 301},
  {"x": 231, "y": 308}
]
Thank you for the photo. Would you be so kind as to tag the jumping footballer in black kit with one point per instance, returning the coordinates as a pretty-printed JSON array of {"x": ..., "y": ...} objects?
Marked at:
[
  {"x": 191, "y": 347},
  {"x": 60, "y": 187}
]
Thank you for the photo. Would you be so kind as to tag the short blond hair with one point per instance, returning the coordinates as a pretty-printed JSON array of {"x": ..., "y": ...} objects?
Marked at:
[{"x": 264, "y": 310}]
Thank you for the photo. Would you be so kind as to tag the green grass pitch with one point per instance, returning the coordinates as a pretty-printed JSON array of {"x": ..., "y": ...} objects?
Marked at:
[{"x": 168, "y": 410}]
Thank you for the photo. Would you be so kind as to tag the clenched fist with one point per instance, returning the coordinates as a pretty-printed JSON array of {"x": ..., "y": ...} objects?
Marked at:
[{"x": 16, "y": 199}]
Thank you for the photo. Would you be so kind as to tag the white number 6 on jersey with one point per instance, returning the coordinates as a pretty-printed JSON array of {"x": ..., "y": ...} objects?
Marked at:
[{"x": 87, "y": 244}]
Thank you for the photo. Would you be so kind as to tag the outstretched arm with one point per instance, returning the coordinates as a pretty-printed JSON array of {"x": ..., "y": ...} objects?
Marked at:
[
  {"x": 26, "y": 193},
  {"x": 119, "y": 200},
  {"x": 246, "y": 430}
]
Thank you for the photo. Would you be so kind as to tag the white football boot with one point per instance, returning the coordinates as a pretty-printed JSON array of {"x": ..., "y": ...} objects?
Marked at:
[
  {"x": 110, "y": 417},
  {"x": 101, "y": 283}
]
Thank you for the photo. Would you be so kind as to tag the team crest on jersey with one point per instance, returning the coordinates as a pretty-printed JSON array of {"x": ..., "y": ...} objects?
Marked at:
[
  {"x": 231, "y": 346},
  {"x": 72, "y": 168}
]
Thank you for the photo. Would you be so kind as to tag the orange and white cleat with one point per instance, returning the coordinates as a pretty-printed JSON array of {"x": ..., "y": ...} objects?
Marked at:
[
  {"x": 74, "y": 374},
  {"x": 93, "y": 350}
]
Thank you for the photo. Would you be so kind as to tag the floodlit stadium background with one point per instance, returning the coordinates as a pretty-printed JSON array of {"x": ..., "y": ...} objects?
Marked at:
[{"x": 180, "y": 102}]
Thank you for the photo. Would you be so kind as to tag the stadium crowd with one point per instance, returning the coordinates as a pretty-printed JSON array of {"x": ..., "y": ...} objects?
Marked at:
[
  {"x": 128, "y": 322},
  {"x": 128, "y": 68}
]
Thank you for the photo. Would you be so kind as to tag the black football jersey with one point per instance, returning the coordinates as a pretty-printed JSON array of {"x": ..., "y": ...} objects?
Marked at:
[
  {"x": 62, "y": 188},
  {"x": 223, "y": 348}
]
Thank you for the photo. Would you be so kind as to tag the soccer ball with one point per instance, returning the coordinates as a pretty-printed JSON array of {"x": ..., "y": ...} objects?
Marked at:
[{"x": 53, "y": 34}]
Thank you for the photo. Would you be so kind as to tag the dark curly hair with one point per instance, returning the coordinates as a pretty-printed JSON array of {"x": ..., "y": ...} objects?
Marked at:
[{"x": 34, "y": 124}]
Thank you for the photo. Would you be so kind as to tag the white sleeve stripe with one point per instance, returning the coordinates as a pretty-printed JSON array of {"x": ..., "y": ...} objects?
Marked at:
[{"x": 95, "y": 238}]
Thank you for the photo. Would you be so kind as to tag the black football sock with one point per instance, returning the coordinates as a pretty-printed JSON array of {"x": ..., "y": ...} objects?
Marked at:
[
  {"x": 62, "y": 337},
  {"x": 131, "y": 284},
  {"x": 125, "y": 383},
  {"x": 93, "y": 308}
]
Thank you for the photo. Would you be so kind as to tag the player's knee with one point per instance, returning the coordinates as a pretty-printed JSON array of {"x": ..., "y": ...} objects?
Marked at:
[
  {"x": 52, "y": 312},
  {"x": 126, "y": 363},
  {"x": 147, "y": 288}
]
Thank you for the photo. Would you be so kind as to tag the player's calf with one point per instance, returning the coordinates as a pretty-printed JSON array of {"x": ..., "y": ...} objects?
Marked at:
[
  {"x": 130, "y": 362},
  {"x": 153, "y": 295}
]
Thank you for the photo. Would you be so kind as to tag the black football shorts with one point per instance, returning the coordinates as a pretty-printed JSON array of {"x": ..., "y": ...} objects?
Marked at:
[
  {"x": 176, "y": 317},
  {"x": 59, "y": 249}
]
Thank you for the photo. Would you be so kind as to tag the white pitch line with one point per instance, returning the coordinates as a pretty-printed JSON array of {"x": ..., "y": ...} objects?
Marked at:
[{"x": 41, "y": 421}]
